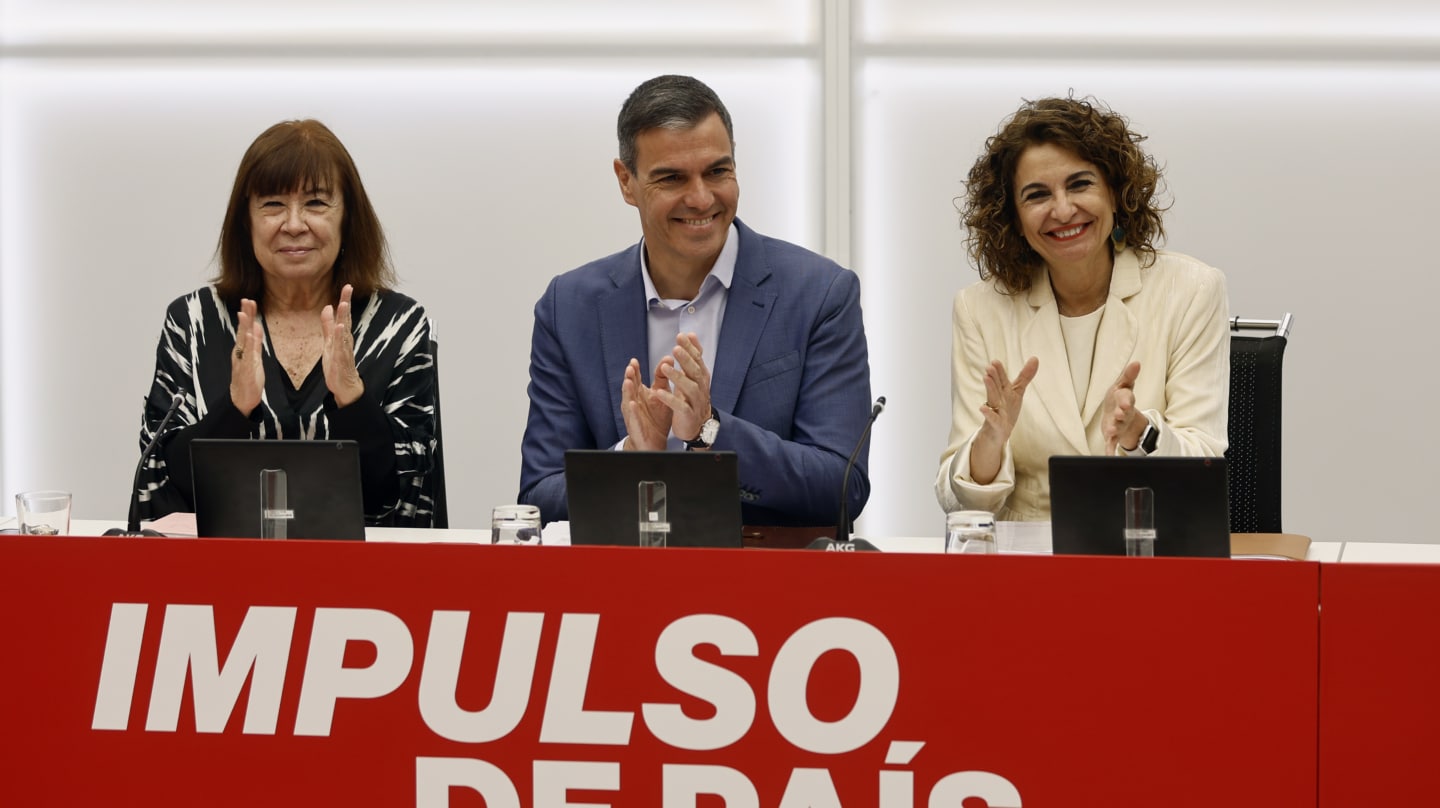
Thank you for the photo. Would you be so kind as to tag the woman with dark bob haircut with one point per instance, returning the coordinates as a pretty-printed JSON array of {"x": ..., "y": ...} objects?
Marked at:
[
  {"x": 1126, "y": 346},
  {"x": 301, "y": 335}
]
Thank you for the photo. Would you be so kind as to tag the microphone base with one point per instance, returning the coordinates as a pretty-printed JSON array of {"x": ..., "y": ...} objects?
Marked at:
[
  {"x": 833, "y": 546},
  {"x": 147, "y": 533}
]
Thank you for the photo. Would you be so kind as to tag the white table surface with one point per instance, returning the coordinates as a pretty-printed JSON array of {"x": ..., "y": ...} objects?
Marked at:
[
  {"x": 1014, "y": 538},
  {"x": 1033, "y": 538},
  {"x": 96, "y": 527},
  {"x": 1375, "y": 552}
]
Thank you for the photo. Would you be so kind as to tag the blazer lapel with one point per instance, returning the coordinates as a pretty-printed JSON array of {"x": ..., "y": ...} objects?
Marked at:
[
  {"x": 747, "y": 309},
  {"x": 1041, "y": 337},
  {"x": 1116, "y": 339},
  {"x": 623, "y": 334}
]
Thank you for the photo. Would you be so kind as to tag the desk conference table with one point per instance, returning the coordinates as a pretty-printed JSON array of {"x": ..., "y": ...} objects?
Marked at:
[{"x": 225, "y": 672}]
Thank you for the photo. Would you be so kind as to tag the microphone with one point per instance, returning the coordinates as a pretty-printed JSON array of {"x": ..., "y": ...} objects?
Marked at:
[
  {"x": 842, "y": 541},
  {"x": 132, "y": 527}
]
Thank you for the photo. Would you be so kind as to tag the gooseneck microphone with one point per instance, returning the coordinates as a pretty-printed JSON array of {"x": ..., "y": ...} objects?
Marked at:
[
  {"x": 132, "y": 527},
  {"x": 842, "y": 529}
]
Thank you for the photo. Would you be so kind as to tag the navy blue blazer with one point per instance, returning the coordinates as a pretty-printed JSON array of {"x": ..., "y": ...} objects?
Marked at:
[{"x": 791, "y": 380}]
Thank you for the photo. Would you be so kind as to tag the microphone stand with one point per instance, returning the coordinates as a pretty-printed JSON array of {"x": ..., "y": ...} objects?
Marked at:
[
  {"x": 132, "y": 525},
  {"x": 842, "y": 540}
]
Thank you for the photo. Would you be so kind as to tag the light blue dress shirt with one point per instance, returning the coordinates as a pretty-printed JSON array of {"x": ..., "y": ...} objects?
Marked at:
[{"x": 667, "y": 319}]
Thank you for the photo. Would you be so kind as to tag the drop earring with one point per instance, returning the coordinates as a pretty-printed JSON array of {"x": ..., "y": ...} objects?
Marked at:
[{"x": 1117, "y": 237}]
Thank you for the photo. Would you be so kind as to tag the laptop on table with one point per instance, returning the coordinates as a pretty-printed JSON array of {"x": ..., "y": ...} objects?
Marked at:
[
  {"x": 312, "y": 488},
  {"x": 696, "y": 495},
  {"x": 1191, "y": 504}
]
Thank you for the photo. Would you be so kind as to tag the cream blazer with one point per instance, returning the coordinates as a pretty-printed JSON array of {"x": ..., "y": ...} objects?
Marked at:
[{"x": 1171, "y": 317}]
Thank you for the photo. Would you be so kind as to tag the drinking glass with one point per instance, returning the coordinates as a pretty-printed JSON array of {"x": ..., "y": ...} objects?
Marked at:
[
  {"x": 515, "y": 524},
  {"x": 1140, "y": 522},
  {"x": 654, "y": 519},
  {"x": 970, "y": 532},
  {"x": 43, "y": 513}
]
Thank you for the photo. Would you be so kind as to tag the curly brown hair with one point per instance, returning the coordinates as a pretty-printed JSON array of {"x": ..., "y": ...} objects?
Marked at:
[
  {"x": 301, "y": 155},
  {"x": 1097, "y": 135}
]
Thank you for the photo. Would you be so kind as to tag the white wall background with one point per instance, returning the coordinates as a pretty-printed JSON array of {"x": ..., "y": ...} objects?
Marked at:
[{"x": 1299, "y": 143}]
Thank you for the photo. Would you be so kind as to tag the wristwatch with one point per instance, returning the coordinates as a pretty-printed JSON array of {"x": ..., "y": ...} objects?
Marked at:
[
  {"x": 1149, "y": 438},
  {"x": 708, "y": 431}
]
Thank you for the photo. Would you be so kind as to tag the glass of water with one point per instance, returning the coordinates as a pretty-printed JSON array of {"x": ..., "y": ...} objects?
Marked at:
[
  {"x": 654, "y": 519},
  {"x": 1139, "y": 522},
  {"x": 515, "y": 524},
  {"x": 43, "y": 513},
  {"x": 970, "y": 532}
]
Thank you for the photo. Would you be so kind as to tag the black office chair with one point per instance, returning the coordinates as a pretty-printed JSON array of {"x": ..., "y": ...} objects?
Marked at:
[
  {"x": 435, "y": 480},
  {"x": 1254, "y": 453}
]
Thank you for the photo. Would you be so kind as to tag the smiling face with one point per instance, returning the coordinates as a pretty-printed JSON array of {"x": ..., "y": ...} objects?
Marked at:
[
  {"x": 1065, "y": 208},
  {"x": 296, "y": 235},
  {"x": 685, "y": 188}
]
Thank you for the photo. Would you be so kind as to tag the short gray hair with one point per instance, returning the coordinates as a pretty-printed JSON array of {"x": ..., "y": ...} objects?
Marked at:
[{"x": 669, "y": 102}]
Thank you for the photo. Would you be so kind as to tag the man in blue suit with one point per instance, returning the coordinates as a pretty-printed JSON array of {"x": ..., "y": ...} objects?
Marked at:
[{"x": 623, "y": 348}]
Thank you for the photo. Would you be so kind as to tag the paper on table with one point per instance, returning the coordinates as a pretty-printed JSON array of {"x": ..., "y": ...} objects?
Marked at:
[
  {"x": 1023, "y": 538},
  {"x": 175, "y": 524},
  {"x": 1269, "y": 545},
  {"x": 556, "y": 533}
]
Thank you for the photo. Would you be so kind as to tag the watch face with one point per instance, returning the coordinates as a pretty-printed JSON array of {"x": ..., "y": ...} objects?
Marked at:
[
  {"x": 1150, "y": 437},
  {"x": 709, "y": 430}
]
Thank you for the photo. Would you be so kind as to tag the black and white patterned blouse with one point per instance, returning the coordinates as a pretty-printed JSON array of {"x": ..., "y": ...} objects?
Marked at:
[{"x": 394, "y": 421}]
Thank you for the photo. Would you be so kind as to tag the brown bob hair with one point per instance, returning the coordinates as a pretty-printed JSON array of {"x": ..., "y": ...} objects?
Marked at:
[
  {"x": 996, "y": 245},
  {"x": 301, "y": 155}
]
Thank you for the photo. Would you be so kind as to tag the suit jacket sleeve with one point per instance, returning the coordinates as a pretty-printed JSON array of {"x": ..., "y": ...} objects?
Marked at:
[
  {"x": 555, "y": 422},
  {"x": 955, "y": 488},
  {"x": 1194, "y": 411},
  {"x": 793, "y": 475}
]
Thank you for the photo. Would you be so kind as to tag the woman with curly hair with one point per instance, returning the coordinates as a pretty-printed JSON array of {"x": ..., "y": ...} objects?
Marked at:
[{"x": 1111, "y": 345}]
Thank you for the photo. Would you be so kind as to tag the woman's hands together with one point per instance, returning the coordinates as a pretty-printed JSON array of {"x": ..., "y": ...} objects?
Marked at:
[{"x": 337, "y": 357}]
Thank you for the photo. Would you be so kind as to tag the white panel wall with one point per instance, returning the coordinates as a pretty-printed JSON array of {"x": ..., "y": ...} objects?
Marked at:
[
  {"x": 1040, "y": 26},
  {"x": 379, "y": 25},
  {"x": 1295, "y": 136},
  {"x": 1298, "y": 139},
  {"x": 1300, "y": 181},
  {"x": 490, "y": 173}
]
